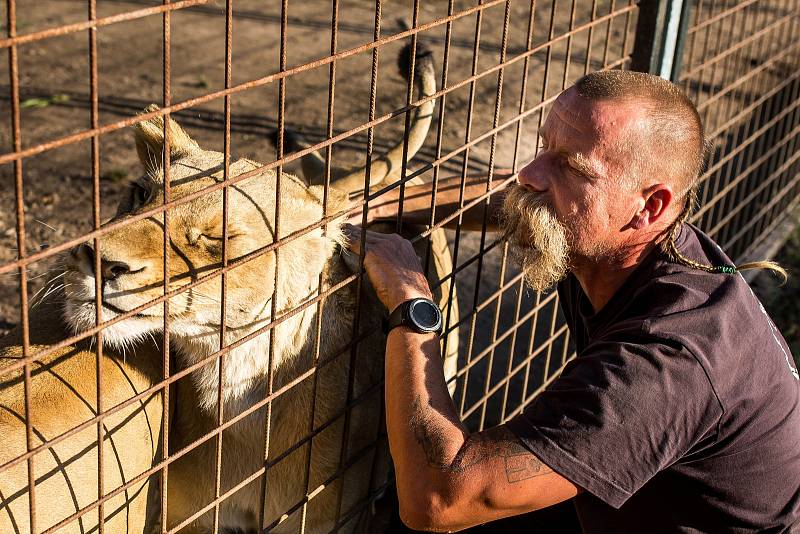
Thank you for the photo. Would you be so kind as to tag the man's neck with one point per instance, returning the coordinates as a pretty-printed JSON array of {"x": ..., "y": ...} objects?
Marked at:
[{"x": 600, "y": 280}]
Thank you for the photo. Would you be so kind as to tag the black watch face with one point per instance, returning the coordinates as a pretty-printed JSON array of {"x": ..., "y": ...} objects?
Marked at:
[{"x": 426, "y": 315}]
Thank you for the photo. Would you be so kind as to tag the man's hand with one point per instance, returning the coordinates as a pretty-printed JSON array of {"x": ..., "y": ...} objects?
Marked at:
[{"x": 392, "y": 266}]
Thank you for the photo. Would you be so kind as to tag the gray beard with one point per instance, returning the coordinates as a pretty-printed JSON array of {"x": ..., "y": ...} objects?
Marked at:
[{"x": 537, "y": 240}]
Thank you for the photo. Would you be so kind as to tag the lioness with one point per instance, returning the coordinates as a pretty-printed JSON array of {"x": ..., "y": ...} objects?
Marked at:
[{"x": 315, "y": 384}]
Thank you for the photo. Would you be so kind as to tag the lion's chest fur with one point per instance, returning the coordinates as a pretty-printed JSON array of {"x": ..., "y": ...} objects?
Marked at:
[{"x": 309, "y": 397}]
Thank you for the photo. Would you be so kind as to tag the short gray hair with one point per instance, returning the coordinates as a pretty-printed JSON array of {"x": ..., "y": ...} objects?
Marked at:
[{"x": 674, "y": 144}]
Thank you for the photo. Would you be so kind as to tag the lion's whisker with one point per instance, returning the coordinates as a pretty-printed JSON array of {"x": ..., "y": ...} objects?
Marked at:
[
  {"x": 49, "y": 289},
  {"x": 45, "y": 225}
]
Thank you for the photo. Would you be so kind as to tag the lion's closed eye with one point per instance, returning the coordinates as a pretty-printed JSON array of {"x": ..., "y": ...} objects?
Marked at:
[{"x": 213, "y": 243}]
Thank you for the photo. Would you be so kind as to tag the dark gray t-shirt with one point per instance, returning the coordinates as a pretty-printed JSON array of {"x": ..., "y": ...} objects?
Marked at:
[{"x": 681, "y": 412}]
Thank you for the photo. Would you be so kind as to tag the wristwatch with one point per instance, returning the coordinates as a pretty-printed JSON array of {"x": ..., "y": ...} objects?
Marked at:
[{"x": 420, "y": 314}]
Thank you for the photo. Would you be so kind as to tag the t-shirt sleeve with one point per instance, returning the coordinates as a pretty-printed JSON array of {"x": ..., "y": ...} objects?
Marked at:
[{"x": 618, "y": 414}]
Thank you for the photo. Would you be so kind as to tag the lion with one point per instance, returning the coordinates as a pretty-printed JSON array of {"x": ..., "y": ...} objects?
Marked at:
[{"x": 291, "y": 367}]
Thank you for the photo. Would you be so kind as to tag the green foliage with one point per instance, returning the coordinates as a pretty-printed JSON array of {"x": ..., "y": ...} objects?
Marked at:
[{"x": 44, "y": 101}]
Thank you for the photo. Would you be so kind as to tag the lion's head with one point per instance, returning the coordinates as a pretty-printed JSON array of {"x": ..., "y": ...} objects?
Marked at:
[{"x": 132, "y": 257}]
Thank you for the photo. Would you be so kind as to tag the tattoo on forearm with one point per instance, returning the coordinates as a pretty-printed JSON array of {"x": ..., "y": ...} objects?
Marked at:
[{"x": 498, "y": 442}]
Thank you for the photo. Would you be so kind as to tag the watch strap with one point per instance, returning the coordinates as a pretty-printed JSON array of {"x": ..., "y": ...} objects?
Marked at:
[{"x": 400, "y": 316}]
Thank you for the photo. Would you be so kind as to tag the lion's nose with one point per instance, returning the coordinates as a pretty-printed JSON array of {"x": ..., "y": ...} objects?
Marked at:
[{"x": 111, "y": 270}]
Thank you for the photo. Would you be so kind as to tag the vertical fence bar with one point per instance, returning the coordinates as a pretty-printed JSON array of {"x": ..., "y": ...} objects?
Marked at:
[
  {"x": 19, "y": 197},
  {"x": 97, "y": 257},
  {"x": 481, "y": 249},
  {"x": 275, "y": 295},
  {"x": 325, "y": 200},
  {"x": 464, "y": 166},
  {"x": 437, "y": 168},
  {"x": 166, "y": 98},
  {"x": 520, "y": 286},
  {"x": 412, "y": 63},
  {"x": 373, "y": 89},
  {"x": 226, "y": 166}
]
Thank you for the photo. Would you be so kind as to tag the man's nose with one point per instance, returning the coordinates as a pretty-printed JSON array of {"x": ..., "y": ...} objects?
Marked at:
[
  {"x": 111, "y": 270},
  {"x": 534, "y": 175}
]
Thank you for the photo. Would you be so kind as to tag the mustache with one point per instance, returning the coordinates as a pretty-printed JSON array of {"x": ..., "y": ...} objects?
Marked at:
[{"x": 521, "y": 206}]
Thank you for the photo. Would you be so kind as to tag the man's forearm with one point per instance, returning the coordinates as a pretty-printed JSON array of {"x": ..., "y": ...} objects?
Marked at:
[
  {"x": 417, "y": 201},
  {"x": 425, "y": 433}
]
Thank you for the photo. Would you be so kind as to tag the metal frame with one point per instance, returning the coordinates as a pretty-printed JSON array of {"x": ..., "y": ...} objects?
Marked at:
[{"x": 749, "y": 185}]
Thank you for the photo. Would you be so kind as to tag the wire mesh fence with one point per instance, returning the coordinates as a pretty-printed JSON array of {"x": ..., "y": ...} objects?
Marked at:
[
  {"x": 740, "y": 67},
  {"x": 228, "y": 354}
]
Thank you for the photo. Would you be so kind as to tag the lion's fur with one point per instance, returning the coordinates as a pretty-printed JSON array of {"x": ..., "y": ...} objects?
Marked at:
[
  {"x": 63, "y": 395},
  {"x": 314, "y": 375}
]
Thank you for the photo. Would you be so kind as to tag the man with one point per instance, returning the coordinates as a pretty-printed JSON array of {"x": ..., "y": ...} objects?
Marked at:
[{"x": 681, "y": 411}]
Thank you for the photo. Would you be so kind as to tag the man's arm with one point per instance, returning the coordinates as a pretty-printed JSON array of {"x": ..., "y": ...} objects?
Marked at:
[
  {"x": 447, "y": 478},
  {"x": 417, "y": 202}
]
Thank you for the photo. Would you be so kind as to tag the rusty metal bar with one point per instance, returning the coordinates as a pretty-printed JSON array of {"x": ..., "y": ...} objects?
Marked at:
[
  {"x": 93, "y": 24},
  {"x": 492, "y": 155},
  {"x": 275, "y": 293},
  {"x": 166, "y": 161},
  {"x": 373, "y": 88},
  {"x": 461, "y": 200},
  {"x": 407, "y": 122},
  {"x": 522, "y": 101},
  {"x": 98, "y": 271},
  {"x": 439, "y": 137},
  {"x": 320, "y": 306},
  {"x": 13, "y": 68},
  {"x": 226, "y": 154}
]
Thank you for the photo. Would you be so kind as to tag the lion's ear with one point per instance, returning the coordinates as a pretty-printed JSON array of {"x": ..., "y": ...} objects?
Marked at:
[{"x": 149, "y": 136}]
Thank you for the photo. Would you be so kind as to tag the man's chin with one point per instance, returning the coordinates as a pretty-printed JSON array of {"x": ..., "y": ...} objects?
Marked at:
[{"x": 540, "y": 273}]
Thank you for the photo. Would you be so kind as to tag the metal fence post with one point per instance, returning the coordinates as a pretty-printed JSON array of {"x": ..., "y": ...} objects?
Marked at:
[
  {"x": 682, "y": 28},
  {"x": 649, "y": 39},
  {"x": 660, "y": 33}
]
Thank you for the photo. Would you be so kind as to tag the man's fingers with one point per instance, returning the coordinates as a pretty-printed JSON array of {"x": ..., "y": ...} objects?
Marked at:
[{"x": 353, "y": 235}]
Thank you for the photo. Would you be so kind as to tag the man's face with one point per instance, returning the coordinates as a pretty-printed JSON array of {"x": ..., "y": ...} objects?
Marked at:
[{"x": 574, "y": 200}]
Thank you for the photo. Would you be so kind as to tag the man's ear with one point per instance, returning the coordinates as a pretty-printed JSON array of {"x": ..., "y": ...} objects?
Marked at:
[
  {"x": 149, "y": 136},
  {"x": 657, "y": 200}
]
